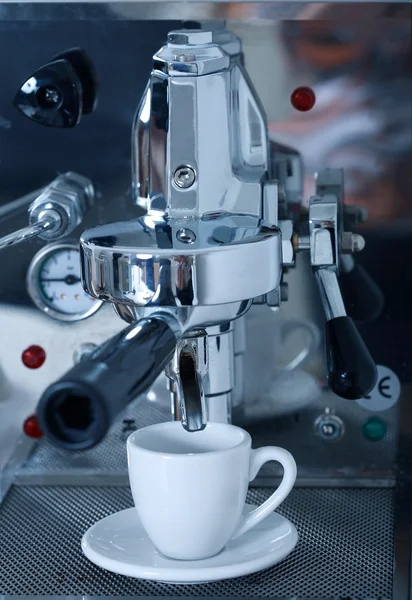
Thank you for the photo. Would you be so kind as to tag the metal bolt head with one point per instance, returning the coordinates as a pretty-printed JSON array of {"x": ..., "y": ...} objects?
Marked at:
[
  {"x": 358, "y": 242},
  {"x": 186, "y": 236},
  {"x": 352, "y": 242},
  {"x": 184, "y": 176}
]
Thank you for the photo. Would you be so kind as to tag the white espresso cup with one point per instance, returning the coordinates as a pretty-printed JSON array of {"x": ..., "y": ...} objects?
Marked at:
[{"x": 190, "y": 489}]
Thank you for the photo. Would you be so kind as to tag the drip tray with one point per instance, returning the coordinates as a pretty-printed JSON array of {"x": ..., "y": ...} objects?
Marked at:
[{"x": 345, "y": 548}]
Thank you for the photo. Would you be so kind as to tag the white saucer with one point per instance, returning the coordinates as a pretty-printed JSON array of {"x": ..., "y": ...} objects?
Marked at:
[{"x": 119, "y": 543}]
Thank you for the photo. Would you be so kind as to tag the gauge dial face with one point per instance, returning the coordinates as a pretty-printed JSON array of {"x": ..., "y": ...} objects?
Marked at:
[{"x": 54, "y": 284}]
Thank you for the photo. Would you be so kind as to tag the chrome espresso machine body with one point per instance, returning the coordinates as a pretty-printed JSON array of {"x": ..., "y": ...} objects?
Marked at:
[{"x": 178, "y": 303}]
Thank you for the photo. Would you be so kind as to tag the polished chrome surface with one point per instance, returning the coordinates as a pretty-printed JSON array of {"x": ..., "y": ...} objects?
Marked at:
[
  {"x": 232, "y": 259},
  {"x": 188, "y": 372},
  {"x": 224, "y": 376},
  {"x": 56, "y": 211},
  {"x": 325, "y": 219},
  {"x": 184, "y": 177},
  {"x": 219, "y": 408},
  {"x": 288, "y": 255},
  {"x": 330, "y": 294},
  {"x": 193, "y": 317},
  {"x": 352, "y": 242},
  {"x": 325, "y": 242},
  {"x": 224, "y": 152},
  {"x": 239, "y": 350},
  {"x": 70, "y": 195},
  {"x": 208, "y": 191},
  {"x": 221, "y": 365},
  {"x": 50, "y": 220},
  {"x": 209, "y": 242}
]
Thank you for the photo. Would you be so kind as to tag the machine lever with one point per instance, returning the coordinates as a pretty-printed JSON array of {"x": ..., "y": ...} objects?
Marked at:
[{"x": 352, "y": 373}]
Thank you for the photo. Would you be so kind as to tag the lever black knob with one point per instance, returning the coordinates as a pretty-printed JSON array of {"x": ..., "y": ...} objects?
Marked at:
[
  {"x": 60, "y": 92},
  {"x": 352, "y": 373},
  {"x": 76, "y": 412},
  {"x": 364, "y": 300}
]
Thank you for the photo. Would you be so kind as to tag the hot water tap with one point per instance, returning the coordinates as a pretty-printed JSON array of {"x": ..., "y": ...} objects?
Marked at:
[{"x": 215, "y": 237}]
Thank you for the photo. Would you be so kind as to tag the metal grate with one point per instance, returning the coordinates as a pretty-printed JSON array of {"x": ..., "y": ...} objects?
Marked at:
[{"x": 345, "y": 548}]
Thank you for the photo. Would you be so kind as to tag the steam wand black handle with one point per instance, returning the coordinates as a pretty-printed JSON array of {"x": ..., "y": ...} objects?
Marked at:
[
  {"x": 76, "y": 412},
  {"x": 352, "y": 372}
]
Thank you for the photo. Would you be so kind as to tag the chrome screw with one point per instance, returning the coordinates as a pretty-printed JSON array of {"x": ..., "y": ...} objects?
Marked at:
[
  {"x": 184, "y": 177},
  {"x": 352, "y": 242},
  {"x": 186, "y": 236},
  {"x": 329, "y": 427}
]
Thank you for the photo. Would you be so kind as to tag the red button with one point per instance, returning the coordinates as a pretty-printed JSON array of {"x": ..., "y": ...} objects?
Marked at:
[
  {"x": 303, "y": 99},
  {"x": 33, "y": 357},
  {"x": 31, "y": 428}
]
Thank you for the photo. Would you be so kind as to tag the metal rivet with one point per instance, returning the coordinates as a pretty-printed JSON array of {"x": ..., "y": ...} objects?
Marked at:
[
  {"x": 184, "y": 176},
  {"x": 186, "y": 236}
]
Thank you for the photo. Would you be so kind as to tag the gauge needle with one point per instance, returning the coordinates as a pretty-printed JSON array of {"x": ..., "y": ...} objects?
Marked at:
[{"x": 69, "y": 279}]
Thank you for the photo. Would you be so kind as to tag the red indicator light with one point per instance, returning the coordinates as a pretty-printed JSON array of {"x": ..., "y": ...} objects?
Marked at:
[
  {"x": 31, "y": 428},
  {"x": 33, "y": 357},
  {"x": 303, "y": 99}
]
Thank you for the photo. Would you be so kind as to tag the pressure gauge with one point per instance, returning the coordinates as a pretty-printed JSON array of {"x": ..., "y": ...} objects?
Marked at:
[{"x": 54, "y": 283}]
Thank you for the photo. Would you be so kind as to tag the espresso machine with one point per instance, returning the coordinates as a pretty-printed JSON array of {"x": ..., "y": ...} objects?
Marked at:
[{"x": 164, "y": 301}]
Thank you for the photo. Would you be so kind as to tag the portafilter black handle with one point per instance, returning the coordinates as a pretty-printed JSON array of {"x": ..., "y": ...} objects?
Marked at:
[{"x": 76, "y": 411}]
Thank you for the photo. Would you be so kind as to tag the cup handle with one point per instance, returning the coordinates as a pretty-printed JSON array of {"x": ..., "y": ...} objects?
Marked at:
[
  {"x": 312, "y": 344},
  {"x": 258, "y": 458}
]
